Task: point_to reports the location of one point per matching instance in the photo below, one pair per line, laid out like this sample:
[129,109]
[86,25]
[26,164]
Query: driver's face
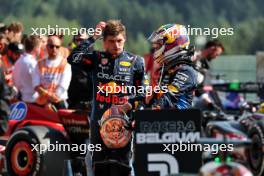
[157,45]
[214,52]
[114,44]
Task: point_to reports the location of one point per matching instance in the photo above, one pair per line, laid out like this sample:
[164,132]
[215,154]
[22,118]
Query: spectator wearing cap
[14,51]
[25,66]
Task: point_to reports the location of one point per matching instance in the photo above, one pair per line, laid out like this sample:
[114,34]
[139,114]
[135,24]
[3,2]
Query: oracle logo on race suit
[113,77]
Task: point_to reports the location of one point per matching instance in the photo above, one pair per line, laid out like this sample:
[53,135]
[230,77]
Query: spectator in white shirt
[52,76]
[25,65]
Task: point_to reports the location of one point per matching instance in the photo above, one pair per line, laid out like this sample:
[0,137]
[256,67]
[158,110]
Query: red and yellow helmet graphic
[171,33]
[168,40]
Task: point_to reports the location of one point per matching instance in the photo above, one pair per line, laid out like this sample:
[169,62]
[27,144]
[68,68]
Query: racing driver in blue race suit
[173,54]
[111,71]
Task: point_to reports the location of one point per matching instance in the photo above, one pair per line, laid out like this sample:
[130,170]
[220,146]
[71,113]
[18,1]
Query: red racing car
[37,141]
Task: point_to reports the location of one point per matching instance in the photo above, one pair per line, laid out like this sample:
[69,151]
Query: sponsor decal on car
[18,111]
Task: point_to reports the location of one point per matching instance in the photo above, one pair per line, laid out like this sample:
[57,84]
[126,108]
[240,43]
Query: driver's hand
[131,125]
[99,27]
[125,107]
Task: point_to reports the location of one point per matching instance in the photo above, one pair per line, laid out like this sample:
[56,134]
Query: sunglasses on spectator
[53,46]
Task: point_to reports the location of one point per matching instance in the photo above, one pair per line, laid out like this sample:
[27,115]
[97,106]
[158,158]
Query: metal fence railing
[236,67]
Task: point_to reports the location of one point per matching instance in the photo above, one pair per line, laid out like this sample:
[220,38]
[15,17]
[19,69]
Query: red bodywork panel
[65,121]
[36,116]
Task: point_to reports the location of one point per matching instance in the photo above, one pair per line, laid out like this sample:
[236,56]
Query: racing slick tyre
[4,113]
[26,154]
[3,126]
[255,152]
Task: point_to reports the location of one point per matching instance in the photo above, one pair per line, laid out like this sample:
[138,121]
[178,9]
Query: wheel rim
[22,158]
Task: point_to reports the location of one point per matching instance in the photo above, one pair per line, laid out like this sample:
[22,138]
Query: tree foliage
[141,17]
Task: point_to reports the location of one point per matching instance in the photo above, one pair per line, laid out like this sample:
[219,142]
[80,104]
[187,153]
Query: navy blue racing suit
[180,82]
[124,70]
